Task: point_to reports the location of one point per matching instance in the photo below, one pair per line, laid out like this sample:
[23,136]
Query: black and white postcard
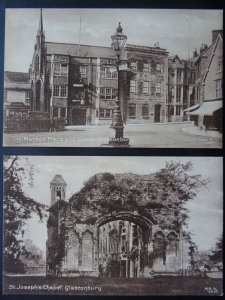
[101,225]
[137,78]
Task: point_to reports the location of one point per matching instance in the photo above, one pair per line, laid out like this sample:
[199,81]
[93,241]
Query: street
[159,135]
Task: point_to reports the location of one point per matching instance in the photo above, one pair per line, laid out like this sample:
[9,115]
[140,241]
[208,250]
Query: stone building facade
[79,83]
[124,244]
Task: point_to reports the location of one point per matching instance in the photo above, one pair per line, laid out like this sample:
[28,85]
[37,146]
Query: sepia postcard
[98,225]
[143,78]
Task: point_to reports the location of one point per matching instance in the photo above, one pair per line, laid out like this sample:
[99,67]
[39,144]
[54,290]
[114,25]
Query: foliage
[17,208]
[161,195]
[216,255]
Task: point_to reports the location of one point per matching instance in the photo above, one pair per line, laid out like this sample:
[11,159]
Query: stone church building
[78,83]
[123,244]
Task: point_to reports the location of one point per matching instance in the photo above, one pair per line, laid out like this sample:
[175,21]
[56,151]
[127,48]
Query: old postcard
[113,225]
[113,78]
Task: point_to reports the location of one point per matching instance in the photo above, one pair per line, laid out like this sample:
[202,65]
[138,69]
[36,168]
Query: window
[146,87]
[145,113]
[140,88]
[159,68]
[158,88]
[63,112]
[60,69]
[219,88]
[146,68]
[178,94]
[56,91]
[178,110]
[105,113]
[108,73]
[5,95]
[64,91]
[132,86]
[60,91]
[108,93]
[27,94]
[133,65]
[132,111]
[83,72]
[55,112]
[178,76]
[220,64]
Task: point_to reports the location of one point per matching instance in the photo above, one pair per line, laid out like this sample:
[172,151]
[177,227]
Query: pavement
[150,135]
[197,131]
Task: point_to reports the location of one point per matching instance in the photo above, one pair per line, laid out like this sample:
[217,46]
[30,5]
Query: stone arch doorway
[122,243]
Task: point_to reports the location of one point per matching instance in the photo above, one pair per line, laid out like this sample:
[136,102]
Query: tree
[161,196]
[216,255]
[17,208]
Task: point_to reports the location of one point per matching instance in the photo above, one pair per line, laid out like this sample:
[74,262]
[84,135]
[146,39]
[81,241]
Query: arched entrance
[123,245]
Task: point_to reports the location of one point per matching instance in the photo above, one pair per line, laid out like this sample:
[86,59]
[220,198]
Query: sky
[206,210]
[178,31]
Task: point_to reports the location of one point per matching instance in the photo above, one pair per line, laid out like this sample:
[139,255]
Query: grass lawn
[111,286]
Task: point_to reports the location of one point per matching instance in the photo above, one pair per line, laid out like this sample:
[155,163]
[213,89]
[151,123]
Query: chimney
[156,45]
[195,53]
[215,34]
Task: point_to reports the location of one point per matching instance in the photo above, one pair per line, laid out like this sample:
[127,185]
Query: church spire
[40,27]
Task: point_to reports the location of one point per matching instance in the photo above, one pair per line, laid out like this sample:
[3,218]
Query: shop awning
[191,108]
[207,108]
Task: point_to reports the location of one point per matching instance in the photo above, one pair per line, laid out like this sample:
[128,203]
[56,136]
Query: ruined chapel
[91,238]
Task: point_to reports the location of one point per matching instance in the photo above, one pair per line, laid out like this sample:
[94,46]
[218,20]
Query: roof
[58,180]
[82,50]
[211,58]
[16,77]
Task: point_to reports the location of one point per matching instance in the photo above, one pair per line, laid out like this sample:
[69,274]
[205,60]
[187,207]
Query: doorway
[79,116]
[157,112]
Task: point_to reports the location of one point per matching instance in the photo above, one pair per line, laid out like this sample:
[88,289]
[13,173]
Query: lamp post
[118,45]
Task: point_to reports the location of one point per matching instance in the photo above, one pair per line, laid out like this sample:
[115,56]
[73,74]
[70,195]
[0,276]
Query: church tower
[38,71]
[58,189]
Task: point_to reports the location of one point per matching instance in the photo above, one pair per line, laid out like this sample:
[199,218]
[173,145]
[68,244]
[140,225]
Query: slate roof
[58,179]
[85,50]
[16,77]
